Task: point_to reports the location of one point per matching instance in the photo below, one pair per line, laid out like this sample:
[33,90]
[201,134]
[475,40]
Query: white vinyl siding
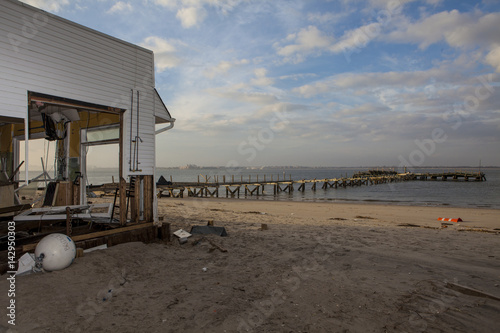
[65,59]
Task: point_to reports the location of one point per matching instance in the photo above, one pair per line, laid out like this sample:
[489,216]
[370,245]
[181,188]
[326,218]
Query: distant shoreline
[301,167]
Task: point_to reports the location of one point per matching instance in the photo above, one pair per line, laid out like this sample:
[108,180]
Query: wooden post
[148,198]
[123,183]
[137,198]
[68,221]
[164,232]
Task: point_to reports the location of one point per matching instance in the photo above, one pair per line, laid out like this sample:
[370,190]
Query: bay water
[485,194]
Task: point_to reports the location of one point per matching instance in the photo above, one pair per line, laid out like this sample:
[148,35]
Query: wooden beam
[14,209]
[30,247]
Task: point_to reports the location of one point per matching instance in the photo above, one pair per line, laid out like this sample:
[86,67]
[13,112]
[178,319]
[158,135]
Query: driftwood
[417,226]
[471,292]
[478,230]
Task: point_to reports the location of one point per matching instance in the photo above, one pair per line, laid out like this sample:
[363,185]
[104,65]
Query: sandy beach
[319,267]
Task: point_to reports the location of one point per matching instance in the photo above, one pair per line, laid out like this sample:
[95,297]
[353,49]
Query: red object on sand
[449,220]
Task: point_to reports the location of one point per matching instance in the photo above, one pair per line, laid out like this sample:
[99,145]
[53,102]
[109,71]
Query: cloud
[49,5]
[360,81]
[493,58]
[192,12]
[165,52]
[259,98]
[261,79]
[297,76]
[120,6]
[224,67]
[191,16]
[306,41]
[167,3]
[323,18]
[357,38]
[457,29]
[362,110]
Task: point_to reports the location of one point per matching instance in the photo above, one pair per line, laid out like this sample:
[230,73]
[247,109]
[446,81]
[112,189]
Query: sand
[319,267]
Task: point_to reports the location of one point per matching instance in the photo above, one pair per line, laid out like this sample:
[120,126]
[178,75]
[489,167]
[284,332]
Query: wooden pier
[231,189]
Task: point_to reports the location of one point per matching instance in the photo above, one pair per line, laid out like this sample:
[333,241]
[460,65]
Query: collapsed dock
[232,188]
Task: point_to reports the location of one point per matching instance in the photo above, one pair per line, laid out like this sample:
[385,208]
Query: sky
[316,83]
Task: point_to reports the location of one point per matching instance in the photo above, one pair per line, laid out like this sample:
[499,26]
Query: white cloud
[49,5]
[242,93]
[165,52]
[224,67]
[376,81]
[261,79]
[306,41]
[493,58]
[192,12]
[249,97]
[191,16]
[323,17]
[167,3]
[120,6]
[357,38]
[457,29]
[392,6]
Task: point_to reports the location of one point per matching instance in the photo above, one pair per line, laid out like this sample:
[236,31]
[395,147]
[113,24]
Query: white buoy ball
[58,251]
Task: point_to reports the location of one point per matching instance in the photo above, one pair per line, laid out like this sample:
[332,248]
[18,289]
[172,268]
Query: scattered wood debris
[417,226]
[478,230]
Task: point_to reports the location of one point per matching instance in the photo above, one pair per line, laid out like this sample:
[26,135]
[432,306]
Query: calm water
[423,193]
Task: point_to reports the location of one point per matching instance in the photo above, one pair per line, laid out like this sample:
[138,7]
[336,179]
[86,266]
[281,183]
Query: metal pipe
[131,112]
[161,130]
[137,135]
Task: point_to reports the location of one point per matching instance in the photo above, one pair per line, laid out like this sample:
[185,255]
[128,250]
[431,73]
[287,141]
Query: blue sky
[316,83]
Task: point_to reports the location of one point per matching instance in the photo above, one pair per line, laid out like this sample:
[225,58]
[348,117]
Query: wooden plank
[470,291]
[64,196]
[112,231]
[98,234]
[14,209]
